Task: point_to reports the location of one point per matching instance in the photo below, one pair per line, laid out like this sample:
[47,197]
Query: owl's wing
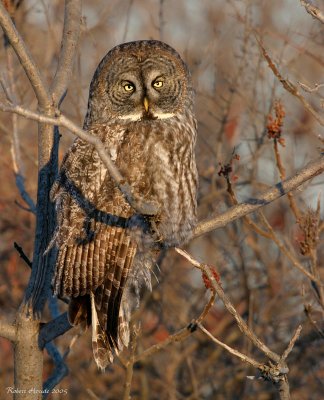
[95,250]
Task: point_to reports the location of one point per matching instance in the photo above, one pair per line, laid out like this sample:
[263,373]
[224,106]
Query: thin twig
[130,4]
[308,312]
[292,342]
[284,249]
[20,183]
[179,336]
[17,161]
[229,306]
[247,220]
[308,89]
[22,254]
[130,363]
[289,86]
[282,173]
[315,12]
[236,353]
[161,19]
[277,372]
[25,58]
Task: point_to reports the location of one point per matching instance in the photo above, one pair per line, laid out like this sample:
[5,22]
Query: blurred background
[235,93]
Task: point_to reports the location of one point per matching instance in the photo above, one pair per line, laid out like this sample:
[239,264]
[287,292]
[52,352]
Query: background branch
[289,86]
[25,58]
[277,372]
[311,170]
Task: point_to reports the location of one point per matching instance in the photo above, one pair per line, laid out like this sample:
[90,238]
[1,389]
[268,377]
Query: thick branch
[71,33]
[28,359]
[25,58]
[311,170]
[39,283]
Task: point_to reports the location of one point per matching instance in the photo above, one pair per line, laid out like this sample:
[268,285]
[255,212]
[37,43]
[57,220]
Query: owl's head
[140,80]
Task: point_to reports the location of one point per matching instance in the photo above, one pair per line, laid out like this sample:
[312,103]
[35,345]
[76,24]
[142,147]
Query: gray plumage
[141,107]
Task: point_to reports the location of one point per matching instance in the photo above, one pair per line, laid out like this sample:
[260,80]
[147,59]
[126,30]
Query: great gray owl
[141,107]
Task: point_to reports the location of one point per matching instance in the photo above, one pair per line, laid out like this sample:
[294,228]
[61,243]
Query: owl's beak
[146,104]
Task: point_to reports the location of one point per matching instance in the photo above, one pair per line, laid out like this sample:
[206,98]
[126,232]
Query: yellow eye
[129,87]
[157,84]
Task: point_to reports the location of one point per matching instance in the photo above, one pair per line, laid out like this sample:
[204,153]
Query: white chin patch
[132,117]
[163,115]
[139,116]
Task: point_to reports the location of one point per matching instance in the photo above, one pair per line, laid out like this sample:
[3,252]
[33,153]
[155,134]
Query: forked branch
[275,370]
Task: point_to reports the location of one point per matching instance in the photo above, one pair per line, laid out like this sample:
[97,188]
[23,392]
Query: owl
[141,107]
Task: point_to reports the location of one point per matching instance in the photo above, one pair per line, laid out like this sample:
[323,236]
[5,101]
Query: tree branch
[217,288]
[22,254]
[313,11]
[53,329]
[275,372]
[291,343]
[71,33]
[179,336]
[289,86]
[286,251]
[9,88]
[236,353]
[60,370]
[28,358]
[311,170]
[130,363]
[25,58]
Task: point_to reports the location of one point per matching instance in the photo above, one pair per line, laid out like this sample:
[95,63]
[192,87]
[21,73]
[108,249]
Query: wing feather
[95,251]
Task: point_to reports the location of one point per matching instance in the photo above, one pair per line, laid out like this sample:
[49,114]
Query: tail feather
[102,350]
